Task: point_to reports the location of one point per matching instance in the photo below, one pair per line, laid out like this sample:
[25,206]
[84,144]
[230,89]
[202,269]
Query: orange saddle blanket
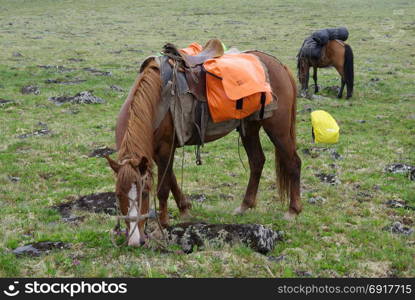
[236,85]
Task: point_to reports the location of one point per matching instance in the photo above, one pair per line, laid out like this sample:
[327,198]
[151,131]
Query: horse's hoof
[240,210]
[289,216]
[185,216]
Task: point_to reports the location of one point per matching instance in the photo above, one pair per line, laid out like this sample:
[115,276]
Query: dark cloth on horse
[313,44]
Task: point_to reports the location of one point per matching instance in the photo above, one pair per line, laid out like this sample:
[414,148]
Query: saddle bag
[236,86]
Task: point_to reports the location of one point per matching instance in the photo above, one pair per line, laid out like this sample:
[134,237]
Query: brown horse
[139,144]
[336,54]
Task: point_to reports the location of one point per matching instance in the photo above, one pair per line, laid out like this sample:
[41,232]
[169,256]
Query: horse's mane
[138,140]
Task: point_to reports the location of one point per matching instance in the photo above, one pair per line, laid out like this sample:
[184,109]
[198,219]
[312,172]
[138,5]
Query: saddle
[212,49]
[192,65]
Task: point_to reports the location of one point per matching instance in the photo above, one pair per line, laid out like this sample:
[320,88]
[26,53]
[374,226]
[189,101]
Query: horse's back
[280,77]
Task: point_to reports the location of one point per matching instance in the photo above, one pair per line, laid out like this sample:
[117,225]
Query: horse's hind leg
[182,203]
[315,80]
[340,70]
[340,94]
[289,163]
[256,157]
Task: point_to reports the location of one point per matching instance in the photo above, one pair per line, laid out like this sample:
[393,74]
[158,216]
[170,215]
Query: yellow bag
[325,128]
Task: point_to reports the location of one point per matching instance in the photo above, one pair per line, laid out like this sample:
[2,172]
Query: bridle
[140,217]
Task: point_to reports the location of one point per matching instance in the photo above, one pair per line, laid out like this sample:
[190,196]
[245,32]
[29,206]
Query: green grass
[342,237]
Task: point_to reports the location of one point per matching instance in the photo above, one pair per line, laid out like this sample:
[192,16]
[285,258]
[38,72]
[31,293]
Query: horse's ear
[113,164]
[143,165]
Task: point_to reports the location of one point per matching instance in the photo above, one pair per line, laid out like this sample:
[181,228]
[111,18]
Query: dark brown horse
[336,54]
[139,145]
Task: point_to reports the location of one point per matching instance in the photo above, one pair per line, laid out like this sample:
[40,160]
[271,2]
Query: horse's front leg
[182,202]
[164,160]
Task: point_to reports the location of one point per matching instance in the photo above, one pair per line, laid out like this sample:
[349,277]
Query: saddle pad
[234,86]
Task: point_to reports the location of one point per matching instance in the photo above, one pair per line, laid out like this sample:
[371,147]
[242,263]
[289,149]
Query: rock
[30,89]
[400,168]
[335,155]
[84,97]
[332,89]
[303,273]
[17,54]
[13,178]
[197,197]
[328,178]
[101,152]
[37,249]
[399,228]
[361,121]
[256,236]
[317,200]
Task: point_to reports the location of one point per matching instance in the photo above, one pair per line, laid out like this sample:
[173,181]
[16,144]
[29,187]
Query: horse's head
[132,189]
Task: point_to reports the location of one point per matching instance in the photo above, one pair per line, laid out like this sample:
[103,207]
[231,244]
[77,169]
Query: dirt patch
[398,204]
[76,59]
[97,72]
[85,97]
[4,102]
[39,132]
[36,249]
[30,89]
[56,68]
[63,81]
[97,203]
[101,152]
[328,178]
[315,152]
[256,236]
[117,88]
[17,54]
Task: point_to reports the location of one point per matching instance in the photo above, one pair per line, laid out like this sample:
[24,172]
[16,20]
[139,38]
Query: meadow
[44,147]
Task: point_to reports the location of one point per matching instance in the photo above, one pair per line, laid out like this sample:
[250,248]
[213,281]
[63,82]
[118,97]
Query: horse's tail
[284,170]
[348,69]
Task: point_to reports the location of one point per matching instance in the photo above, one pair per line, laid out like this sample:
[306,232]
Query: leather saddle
[212,49]
[192,66]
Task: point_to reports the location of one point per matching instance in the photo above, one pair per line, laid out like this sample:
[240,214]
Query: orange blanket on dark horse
[236,85]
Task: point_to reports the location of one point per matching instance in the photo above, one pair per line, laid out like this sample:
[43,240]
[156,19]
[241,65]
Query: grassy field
[342,237]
